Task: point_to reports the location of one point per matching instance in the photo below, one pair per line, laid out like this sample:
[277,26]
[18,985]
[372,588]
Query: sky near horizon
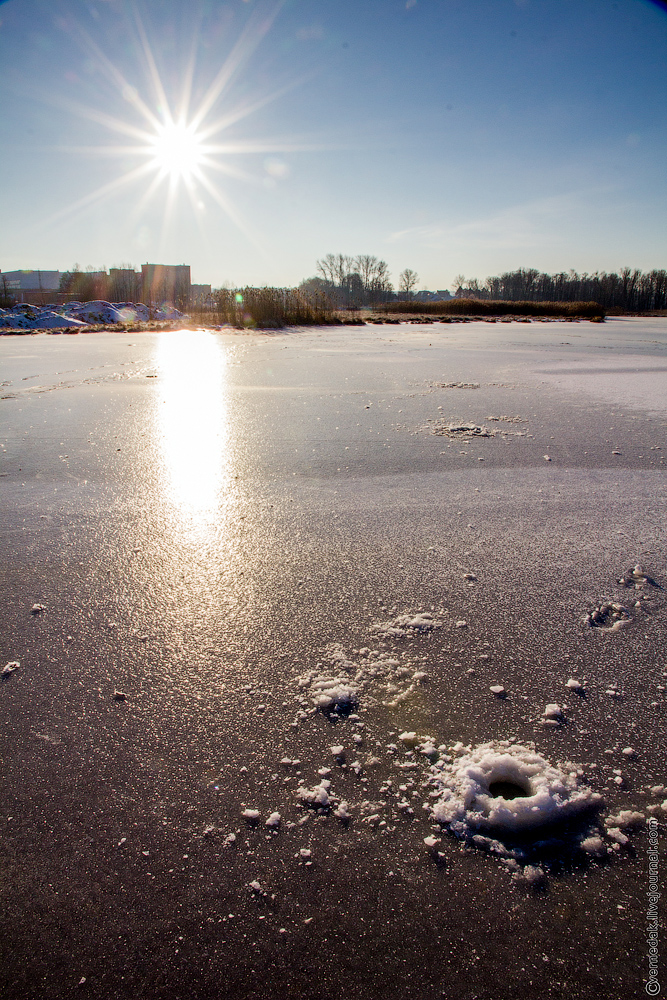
[249,138]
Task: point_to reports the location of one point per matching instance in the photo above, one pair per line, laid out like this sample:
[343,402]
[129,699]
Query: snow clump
[405,625]
[317,797]
[333,694]
[594,845]
[373,673]
[625,819]
[552,715]
[342,812]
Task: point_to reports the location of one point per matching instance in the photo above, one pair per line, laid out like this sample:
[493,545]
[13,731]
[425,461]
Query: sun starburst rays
[178,145]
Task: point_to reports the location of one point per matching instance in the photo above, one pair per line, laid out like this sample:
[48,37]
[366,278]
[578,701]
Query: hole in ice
[471,791]
[508,790]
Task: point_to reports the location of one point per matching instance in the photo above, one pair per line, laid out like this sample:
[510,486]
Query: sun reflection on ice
[192,421]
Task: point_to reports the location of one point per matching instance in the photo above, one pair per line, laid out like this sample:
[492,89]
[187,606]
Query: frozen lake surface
[337,580]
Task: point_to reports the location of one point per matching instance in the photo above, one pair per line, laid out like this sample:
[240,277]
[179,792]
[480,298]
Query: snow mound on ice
[470,787]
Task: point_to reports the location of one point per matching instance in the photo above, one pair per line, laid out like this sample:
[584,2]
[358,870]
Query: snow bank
[470,789]
[77,314]
[36,318]
[100,311]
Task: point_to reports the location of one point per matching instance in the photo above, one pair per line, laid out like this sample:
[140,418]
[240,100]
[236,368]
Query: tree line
[364,280]
[630,289]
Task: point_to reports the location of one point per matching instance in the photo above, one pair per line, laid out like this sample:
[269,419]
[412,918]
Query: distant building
[84,286]
[201,295]
[32,281]
[165,283]
[424,296]
[125,284]
[30,286]
[155,284]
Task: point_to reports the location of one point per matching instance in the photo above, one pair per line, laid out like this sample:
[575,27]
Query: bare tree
[345,268]
[327,268]
[336,268]
[381,286]
[354,281]
[407,280]
[374,274]
[364,265]
[368,268]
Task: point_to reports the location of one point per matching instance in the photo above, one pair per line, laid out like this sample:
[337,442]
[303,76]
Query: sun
[177,151]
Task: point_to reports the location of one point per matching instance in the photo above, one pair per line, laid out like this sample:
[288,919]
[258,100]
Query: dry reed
[483,307]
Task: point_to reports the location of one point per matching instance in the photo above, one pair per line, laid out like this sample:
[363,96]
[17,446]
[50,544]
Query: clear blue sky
[449,136]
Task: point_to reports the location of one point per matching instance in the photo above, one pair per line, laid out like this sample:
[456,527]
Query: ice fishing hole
[507,790]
